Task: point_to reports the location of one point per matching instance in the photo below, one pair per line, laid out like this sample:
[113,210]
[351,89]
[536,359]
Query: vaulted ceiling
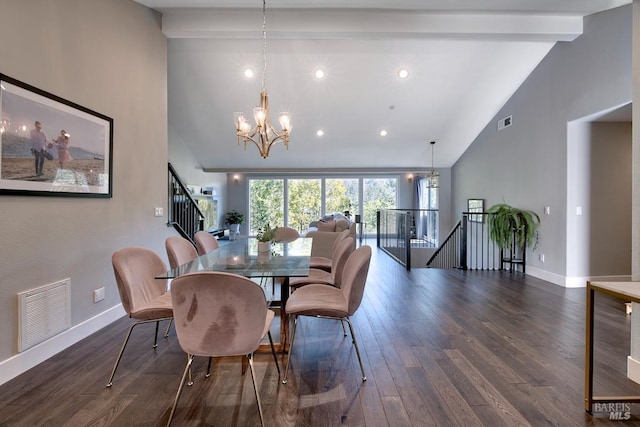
[465,58]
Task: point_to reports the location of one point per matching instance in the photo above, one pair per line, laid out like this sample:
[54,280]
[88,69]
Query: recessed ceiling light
[319,73]
[320,132]
[403,73]
[383,132]
[248,73]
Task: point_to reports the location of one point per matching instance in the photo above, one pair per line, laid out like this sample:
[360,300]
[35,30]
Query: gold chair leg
[255,388]
[293,337]
[190,382]
[124,344]
[355,343]
[126,340]
[166,333]
[184,375]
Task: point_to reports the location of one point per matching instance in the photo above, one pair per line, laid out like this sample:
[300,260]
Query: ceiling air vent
[505,123]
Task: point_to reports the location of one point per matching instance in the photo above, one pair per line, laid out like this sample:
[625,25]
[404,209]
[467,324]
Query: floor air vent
[44,312]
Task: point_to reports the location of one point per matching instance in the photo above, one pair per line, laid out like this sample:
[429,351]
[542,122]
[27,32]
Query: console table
[627,291]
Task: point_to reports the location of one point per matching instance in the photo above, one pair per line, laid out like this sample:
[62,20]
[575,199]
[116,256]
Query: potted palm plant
[509,226]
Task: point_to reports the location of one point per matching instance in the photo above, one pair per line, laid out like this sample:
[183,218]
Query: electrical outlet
[98,294]
[541,257]
[547,210]
[159,212]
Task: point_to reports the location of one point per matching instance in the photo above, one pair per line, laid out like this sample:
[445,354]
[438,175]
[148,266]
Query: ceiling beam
[370,24]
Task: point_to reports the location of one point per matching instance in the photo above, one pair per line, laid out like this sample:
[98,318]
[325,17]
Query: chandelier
[263,135]
[433,177]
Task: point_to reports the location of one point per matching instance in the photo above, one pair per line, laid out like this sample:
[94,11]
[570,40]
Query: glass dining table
[241,256]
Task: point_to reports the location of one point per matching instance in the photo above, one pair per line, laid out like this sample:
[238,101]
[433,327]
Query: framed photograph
[475,205]
[51,146]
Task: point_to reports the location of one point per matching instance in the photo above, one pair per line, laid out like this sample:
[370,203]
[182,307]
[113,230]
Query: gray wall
[525,165]
[599,183]
[109,56]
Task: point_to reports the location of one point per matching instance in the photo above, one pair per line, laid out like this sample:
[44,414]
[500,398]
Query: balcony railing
[399,230]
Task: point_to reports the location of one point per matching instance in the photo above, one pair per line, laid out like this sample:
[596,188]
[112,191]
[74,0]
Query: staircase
[184,214]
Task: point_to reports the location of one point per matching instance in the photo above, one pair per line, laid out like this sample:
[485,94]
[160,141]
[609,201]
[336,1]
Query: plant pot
[264,247]
[234,228]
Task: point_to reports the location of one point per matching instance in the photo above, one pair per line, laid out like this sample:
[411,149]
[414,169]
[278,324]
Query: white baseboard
[556,279]
[571,282]
[581,282]
[22,362]
[633,369]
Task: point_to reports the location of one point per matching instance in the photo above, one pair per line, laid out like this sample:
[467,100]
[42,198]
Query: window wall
[378,193]
[266,203]
[295,202]
[304,202]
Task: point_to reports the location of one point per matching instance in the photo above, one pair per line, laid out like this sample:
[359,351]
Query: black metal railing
[469,247]
[449,253]
[400,230]
[184,214]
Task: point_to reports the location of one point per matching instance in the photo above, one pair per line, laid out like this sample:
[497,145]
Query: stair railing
[184,214]
[468,246]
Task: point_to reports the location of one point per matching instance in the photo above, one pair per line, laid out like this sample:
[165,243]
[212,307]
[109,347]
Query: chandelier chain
[264,42]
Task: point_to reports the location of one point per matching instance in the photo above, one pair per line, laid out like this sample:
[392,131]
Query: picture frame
[475,205]
[77,158]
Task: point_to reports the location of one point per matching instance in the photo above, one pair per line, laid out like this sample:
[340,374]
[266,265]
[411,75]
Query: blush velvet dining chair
[179,251]
[324,263]
[220,314]
[144,298]
[286,235]
[328,302]
[205,242]
[333,278]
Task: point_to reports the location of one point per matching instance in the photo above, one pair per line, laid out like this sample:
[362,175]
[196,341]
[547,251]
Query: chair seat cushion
[320,262]
[156,308]
[315,276]
[317,300]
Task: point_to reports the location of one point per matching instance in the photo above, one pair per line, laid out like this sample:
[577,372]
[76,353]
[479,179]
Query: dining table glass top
[241,257]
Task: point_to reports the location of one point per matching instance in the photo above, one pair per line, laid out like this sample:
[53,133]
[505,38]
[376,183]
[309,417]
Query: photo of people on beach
[51,146]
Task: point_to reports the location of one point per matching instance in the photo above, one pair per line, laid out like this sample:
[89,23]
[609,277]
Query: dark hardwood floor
[440,348]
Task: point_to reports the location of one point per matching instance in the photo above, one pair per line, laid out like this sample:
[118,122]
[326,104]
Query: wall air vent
[505,123]
[43,312]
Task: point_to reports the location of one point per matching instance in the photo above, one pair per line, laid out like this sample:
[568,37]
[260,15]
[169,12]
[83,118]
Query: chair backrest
[179,251]
[135,269]
[205,242]
[339,238]
[354,277]
[339,260]
[218,314]
[286,234]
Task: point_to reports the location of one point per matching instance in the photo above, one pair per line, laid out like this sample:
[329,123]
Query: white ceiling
[465,58]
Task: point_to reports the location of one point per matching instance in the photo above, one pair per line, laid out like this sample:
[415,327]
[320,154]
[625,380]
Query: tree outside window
[266,203]
[342,195]
[378,193]
[304,202]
